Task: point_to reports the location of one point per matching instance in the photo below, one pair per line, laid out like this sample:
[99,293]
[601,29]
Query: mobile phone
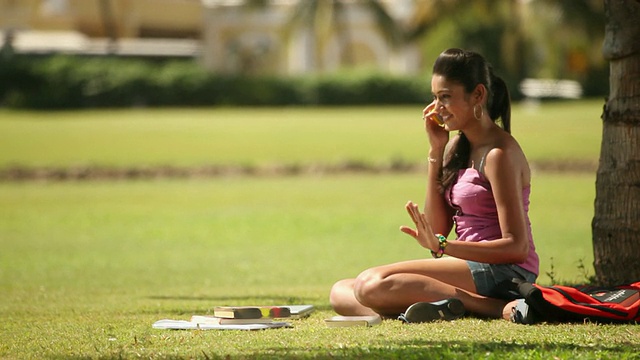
[435,117]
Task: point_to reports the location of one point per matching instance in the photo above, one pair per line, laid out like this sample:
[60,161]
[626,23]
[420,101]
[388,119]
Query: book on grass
[203,319]
[251,312]
[624,297]
[344,321]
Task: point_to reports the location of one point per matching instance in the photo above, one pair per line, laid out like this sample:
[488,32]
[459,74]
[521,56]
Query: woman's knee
[340,287]
[367,286]
[340,293]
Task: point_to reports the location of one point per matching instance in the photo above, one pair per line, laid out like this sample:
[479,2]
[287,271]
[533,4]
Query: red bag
[558,303]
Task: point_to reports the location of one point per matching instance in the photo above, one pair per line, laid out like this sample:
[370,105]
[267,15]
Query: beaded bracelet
[443,244]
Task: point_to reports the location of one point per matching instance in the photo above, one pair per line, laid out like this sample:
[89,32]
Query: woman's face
[452,103]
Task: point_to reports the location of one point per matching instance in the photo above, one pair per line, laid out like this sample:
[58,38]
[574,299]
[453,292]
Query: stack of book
[240,318]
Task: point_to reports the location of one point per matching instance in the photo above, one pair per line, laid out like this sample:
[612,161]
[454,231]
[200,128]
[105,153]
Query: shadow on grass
[452,349]
[426,350]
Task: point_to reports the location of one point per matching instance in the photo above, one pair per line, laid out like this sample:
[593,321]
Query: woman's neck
[484,132]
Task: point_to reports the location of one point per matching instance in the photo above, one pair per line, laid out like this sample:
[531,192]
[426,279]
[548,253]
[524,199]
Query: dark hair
[470,69]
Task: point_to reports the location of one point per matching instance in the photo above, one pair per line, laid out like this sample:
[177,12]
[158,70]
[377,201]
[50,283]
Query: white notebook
[343,321]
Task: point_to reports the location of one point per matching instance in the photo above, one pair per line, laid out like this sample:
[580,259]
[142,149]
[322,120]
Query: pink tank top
[476,215]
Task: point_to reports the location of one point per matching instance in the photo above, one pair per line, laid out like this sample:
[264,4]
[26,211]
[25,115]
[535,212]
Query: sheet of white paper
[168,324]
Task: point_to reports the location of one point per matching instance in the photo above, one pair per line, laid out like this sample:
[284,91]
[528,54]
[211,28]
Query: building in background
[106,18]
[241,39]
[160,28]
[226,36]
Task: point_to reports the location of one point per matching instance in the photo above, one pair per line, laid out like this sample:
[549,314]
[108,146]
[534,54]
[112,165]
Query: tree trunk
[616,223]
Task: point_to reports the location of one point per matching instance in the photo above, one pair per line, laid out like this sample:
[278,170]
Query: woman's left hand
[423,232]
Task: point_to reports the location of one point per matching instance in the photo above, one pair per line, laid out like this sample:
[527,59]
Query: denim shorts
[493,280]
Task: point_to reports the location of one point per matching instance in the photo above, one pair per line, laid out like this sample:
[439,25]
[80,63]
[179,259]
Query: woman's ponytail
[500,104]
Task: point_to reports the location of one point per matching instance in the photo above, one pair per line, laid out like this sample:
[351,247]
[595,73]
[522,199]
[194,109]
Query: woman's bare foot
[508,310]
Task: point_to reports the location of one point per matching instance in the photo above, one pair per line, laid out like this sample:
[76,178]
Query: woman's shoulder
[507,157]
[506,148]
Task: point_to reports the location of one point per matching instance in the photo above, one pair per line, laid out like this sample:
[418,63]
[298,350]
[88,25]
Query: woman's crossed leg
[389,289]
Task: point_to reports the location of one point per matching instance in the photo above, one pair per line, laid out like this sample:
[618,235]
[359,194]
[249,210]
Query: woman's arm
[437,210]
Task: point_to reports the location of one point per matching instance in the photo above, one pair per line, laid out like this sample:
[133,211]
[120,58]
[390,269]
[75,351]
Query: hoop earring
[475,113]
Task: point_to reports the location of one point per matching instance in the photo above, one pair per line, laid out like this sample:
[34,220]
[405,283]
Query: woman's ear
[479,94]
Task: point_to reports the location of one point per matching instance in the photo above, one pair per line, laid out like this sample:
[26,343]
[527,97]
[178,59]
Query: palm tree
[109,23]
[615,226]
[515,35]
[320,20]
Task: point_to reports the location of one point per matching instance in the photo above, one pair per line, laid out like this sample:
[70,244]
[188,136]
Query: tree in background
[568,36]
[616,223]
[536,38]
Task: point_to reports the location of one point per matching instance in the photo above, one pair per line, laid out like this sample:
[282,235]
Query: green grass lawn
[557,132]
[87,267]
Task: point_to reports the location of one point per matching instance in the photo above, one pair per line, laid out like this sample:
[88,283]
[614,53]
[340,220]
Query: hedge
[66,82]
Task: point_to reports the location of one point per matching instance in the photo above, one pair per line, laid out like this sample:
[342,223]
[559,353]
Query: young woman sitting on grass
[478,182]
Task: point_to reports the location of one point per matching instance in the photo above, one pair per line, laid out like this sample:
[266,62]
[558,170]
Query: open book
[239,318]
